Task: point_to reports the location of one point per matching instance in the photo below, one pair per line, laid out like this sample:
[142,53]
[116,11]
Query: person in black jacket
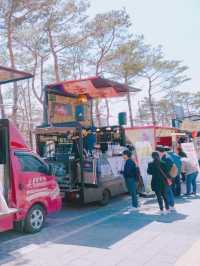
[130,174]
[158,170]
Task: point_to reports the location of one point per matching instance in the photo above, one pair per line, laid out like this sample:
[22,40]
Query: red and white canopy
[93,87]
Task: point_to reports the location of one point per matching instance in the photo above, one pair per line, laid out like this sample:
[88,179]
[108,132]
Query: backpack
[177,160]
[173,171]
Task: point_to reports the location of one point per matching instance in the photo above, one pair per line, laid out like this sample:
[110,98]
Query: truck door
[34,180]
[4,162]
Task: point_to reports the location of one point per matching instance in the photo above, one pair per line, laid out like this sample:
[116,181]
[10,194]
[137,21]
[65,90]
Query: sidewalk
[191,257]
[111,236]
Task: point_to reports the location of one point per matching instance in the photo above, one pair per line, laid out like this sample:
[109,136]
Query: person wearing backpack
[171,172]
[176,182]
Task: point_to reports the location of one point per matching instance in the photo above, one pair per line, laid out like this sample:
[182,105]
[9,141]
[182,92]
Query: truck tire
[105,197]
[19,226]
[35,219]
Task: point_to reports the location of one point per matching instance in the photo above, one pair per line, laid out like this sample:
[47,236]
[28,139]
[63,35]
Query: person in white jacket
[190,170]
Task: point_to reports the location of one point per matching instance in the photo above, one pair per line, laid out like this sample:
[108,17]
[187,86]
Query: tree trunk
[153,116]
[2,105]
[107,112]
[30,117]
[55,57]
[12,63]
[188,107]
[98,114]
[172,103]
[41,77]
[97,111]
[129,103]
[140,114]
[33,80]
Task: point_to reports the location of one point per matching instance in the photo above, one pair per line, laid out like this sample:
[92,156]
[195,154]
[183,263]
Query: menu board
[116,164]
[90,172]
[143,151]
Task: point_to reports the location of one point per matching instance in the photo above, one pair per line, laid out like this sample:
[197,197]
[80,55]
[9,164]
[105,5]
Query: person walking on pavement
[181,152]
[169,165]
[176,182]
[191,173]
[159,183]
[130,175]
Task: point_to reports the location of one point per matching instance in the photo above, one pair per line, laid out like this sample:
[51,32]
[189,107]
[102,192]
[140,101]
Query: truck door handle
[21,186]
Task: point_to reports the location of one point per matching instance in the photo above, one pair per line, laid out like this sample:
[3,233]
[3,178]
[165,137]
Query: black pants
[161,196]
[183,178]
[176,186]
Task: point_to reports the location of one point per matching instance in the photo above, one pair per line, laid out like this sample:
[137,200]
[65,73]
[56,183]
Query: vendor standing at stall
[130,176]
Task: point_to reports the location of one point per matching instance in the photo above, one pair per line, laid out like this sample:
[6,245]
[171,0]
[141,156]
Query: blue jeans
[170,196]
[176,186]
[191,182]
[132,189]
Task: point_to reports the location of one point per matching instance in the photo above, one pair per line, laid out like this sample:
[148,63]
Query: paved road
[110,236]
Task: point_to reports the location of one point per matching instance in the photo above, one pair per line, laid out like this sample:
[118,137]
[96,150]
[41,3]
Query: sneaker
[187,194]
[161,212]
[133,209]
[172,209]
[167,211]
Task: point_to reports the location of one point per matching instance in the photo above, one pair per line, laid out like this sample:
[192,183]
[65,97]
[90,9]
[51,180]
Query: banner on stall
[141,135]
[62,109]
[144,151]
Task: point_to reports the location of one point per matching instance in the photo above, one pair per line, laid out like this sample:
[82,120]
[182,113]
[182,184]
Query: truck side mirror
[3,145]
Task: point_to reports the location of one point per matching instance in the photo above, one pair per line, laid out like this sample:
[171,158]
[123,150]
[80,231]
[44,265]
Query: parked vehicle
[28,191]
[87,160]
[83,175]
[27,186]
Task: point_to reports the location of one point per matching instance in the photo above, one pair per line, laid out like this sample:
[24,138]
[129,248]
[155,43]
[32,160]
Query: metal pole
[45,107]
[81,164]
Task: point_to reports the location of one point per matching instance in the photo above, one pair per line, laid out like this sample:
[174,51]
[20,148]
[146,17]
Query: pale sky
[175,24]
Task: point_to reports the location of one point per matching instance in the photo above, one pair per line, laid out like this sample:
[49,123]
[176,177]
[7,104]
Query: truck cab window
[30,163]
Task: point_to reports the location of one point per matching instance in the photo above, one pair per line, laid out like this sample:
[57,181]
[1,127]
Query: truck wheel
[105,197]
[35,219]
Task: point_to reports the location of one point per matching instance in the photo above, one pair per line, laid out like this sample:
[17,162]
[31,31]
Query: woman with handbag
[159,181]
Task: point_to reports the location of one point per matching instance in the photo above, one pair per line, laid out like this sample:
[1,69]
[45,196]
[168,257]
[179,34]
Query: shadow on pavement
[116,228]
[99,228]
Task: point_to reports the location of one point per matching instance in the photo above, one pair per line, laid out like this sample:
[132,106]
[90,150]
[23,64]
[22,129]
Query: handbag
[168,180]
[174,171]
